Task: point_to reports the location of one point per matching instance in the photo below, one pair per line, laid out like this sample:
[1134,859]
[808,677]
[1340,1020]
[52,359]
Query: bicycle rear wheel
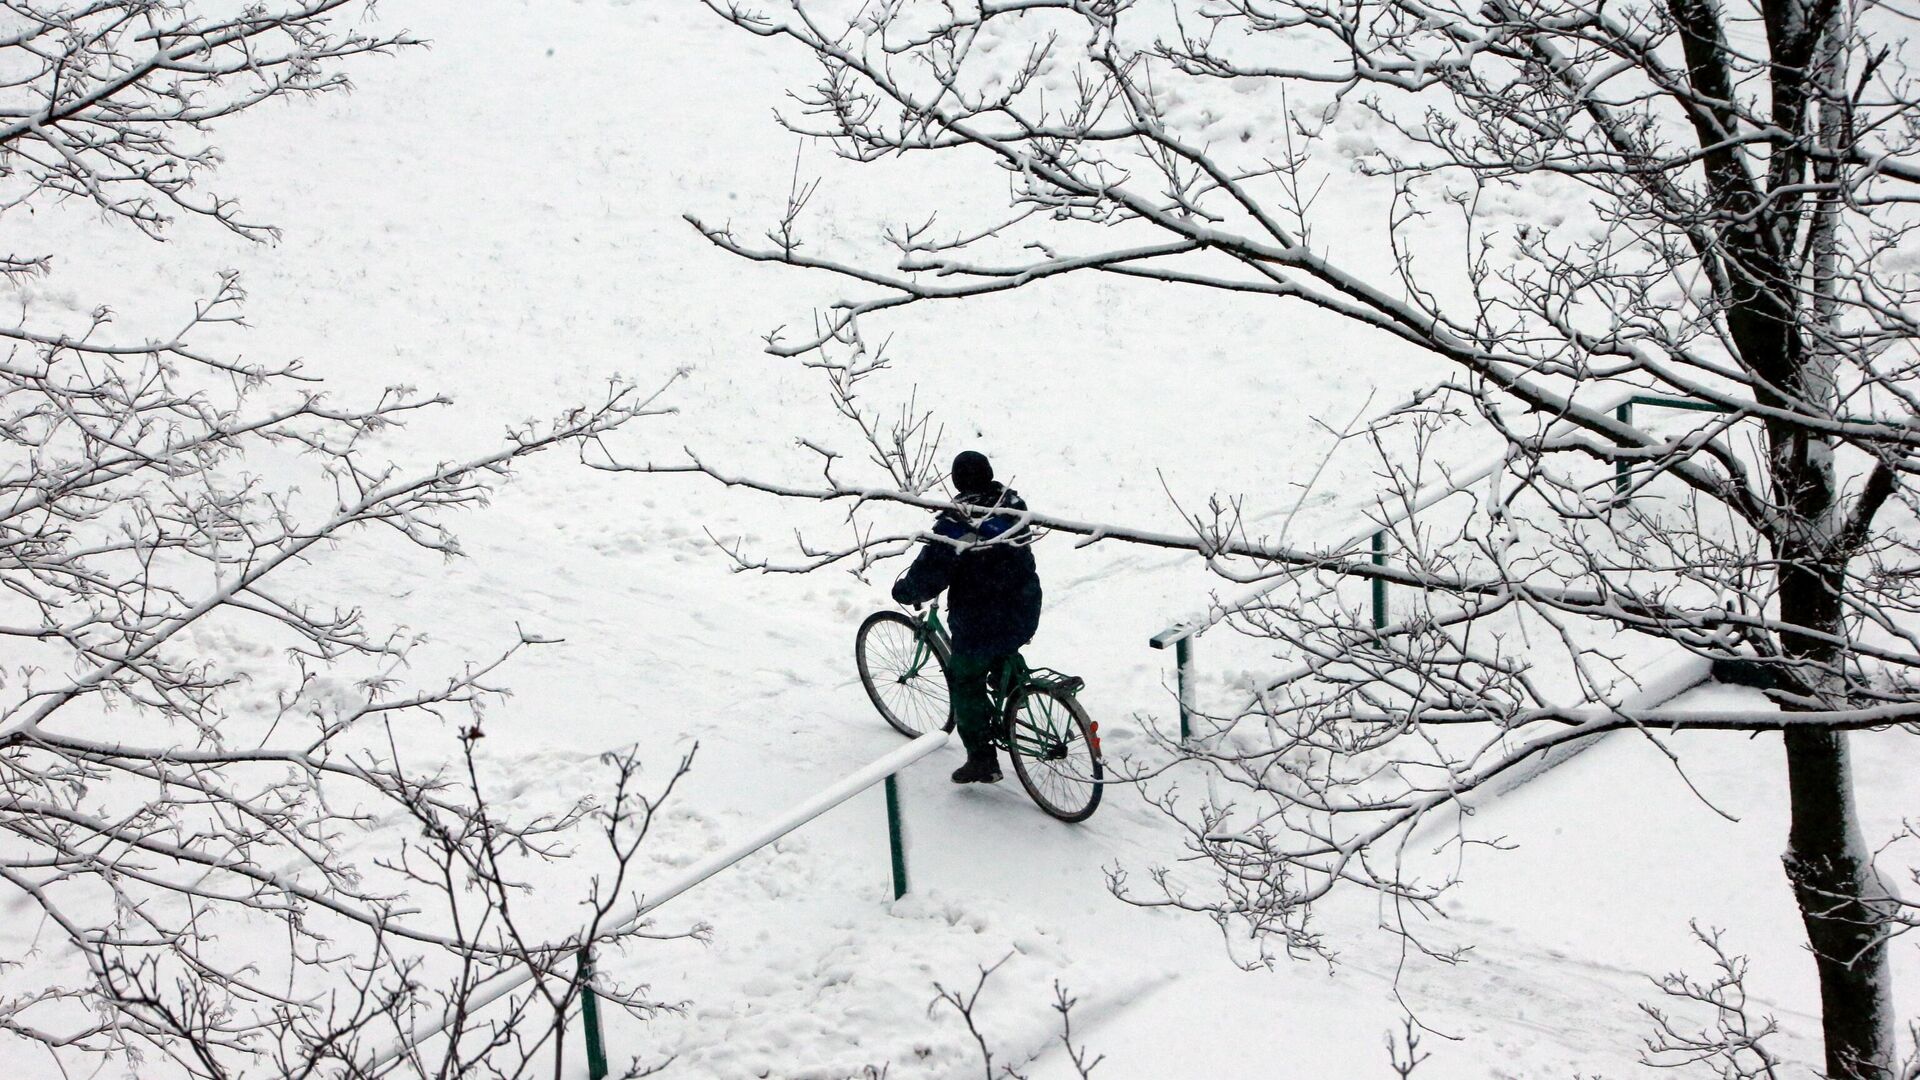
[905,672]
[1055,751]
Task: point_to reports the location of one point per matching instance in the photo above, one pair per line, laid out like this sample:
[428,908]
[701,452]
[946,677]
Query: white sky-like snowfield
[498,218]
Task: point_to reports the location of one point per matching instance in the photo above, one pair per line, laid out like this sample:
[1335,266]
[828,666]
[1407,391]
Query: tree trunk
[1841,903]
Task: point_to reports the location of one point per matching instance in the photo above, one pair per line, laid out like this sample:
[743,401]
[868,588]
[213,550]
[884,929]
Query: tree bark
[1837,890]
[1843,904]
[1842,901]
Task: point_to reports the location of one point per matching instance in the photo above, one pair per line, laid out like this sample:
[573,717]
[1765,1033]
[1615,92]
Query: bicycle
[1055,749]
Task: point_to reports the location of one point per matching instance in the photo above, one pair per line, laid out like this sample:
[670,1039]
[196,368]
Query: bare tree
[168,804]
[108,100]
[966,1006]
[1733,1044]
[476,866]
[1732,180]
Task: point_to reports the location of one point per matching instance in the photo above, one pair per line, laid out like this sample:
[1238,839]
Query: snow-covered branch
[1703,202]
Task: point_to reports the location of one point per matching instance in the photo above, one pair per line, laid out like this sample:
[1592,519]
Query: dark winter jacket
[993,591]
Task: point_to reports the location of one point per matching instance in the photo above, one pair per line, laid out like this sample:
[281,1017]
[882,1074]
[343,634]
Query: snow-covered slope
[499,218]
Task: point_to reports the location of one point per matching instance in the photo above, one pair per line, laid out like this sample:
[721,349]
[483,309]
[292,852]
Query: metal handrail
[880,770]
[1653,688]
[1180,635]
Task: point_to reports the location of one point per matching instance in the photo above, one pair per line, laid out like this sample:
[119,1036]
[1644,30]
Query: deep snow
[498,218]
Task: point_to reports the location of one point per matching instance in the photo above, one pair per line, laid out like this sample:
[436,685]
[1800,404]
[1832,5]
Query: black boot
[981,768]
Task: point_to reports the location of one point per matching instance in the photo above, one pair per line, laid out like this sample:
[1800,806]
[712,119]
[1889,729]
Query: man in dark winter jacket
[993,600]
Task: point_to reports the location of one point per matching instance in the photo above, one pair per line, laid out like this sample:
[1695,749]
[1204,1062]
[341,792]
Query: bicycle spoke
[911,695]
[897,656]
[1052,755]
[904,676]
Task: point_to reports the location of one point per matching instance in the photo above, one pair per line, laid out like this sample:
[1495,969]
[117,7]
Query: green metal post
[1380,584]
[590,1019]
[1624,414]
[1182,661]
[895,841]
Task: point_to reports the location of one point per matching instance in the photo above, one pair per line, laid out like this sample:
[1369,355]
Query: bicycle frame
[997,691]
[937,632]
[1034,714]
[1032,740]
[1041,734]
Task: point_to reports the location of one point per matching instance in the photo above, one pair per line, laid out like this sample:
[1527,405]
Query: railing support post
[1380,584]
[1624,414]
[1183,672]
[629,915]
[590,1019]
[896,842]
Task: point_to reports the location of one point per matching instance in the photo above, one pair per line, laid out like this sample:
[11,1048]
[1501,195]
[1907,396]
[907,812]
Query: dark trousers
[968,680]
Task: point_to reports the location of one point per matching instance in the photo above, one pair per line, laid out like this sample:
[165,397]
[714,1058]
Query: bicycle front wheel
[1055,752]
[905,672]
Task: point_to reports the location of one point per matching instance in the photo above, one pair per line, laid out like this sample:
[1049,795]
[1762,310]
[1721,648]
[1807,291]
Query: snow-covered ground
[499,218]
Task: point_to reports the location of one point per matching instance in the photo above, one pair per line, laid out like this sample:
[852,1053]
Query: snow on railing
[881,770]
[1652,688]
[1374,531]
